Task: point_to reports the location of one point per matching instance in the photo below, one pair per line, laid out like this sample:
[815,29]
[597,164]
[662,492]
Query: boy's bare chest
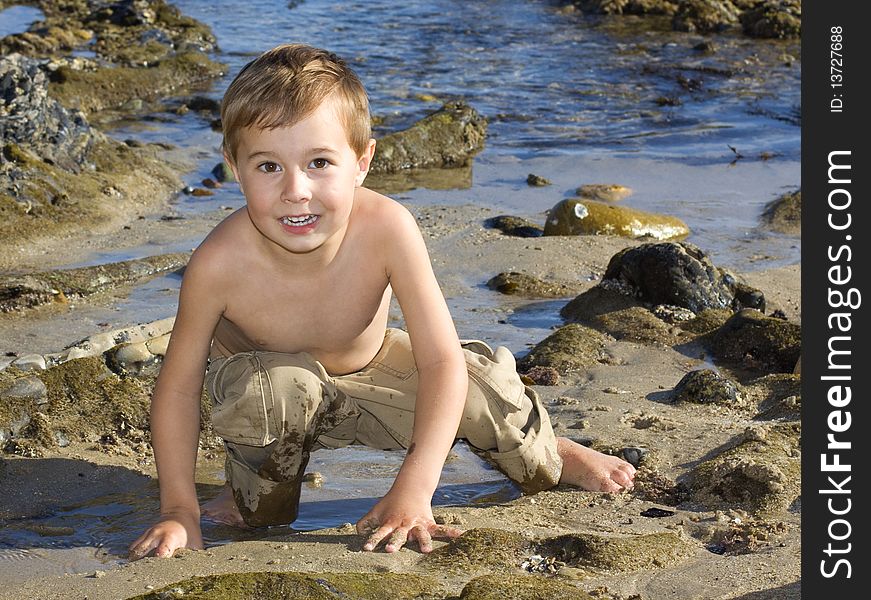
[338,318]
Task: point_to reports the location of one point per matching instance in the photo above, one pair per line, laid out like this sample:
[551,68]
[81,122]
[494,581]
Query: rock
[634,7]
[301,586]
[705,386]
[598,300]
[479,548]
[755,341]
[223,172]
[31,118]
[705,16]
[784,214]
[678,274]
[778,396]
[756,475]
[607,192]
[568,349]
[520,284]
[520,587]
[448,138]
[543,375]
[633,455]
[315,479]
[28,388]
[534,180]
[576,216]
[26,291]
[618,554]
[636,324]
[773,19]
[30,362]
[515,226]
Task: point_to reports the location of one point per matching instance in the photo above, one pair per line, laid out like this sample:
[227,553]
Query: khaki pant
[274,409]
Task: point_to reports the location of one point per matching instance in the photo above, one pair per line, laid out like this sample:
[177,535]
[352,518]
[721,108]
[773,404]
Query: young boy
[284,308]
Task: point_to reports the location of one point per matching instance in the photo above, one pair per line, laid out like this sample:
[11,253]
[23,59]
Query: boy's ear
[364,162]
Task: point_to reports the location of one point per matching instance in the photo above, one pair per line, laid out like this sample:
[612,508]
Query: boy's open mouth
[299,221]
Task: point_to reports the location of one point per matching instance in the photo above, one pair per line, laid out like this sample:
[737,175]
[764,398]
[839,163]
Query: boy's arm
[175,417]
[405,512]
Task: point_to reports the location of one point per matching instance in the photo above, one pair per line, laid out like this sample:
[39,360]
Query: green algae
[50,201]
[595,302]
[636,324]
[478,549]
[760,473]
[618,554]
[301,586]
[753,340]
[521,284]
[570,348]
[520,587]
[112,87]
[30,290]
[784,214]
[577,216]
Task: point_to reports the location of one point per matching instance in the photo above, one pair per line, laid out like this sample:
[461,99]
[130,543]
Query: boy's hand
[399,518]
[171,532]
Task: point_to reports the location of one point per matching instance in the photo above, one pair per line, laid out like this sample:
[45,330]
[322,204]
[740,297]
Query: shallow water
[94,535]
[571,97]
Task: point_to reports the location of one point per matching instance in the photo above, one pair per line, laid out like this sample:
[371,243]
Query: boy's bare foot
[222,509]
[592,470]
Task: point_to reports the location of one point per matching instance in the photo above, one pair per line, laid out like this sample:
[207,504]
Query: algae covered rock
[705,16]
[618,553]
[706,386]
[675,273]
[778,396]
[760,473]
[773,19]
[480,548]
[521,284]
[570,348]
[301,586]
[448,138]
[516,226]
[636,324]
[756,341]
[607,192]
[596,301]
[520,587]
[784,214]
[576,216]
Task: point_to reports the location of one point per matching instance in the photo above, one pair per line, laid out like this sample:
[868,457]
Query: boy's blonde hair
[285,85]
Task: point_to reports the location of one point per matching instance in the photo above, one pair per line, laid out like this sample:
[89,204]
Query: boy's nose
[296,188]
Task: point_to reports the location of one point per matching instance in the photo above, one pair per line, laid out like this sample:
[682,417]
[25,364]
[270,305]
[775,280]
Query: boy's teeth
[299,220]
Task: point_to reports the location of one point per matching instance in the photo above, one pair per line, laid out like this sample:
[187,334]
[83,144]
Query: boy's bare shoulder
[380,212]
[218,253]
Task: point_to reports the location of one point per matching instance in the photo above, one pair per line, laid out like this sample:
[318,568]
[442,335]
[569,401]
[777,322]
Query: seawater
[710,138]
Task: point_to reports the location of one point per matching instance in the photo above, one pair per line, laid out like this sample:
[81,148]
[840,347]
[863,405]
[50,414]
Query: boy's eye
[269,167]
[319,163]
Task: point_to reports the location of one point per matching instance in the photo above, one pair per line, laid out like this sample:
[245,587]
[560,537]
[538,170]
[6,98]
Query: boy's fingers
[141,549]
[424,539]
[397,540]
[444,531]
[376,537]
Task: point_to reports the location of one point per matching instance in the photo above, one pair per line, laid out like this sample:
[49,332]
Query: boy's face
[299,181]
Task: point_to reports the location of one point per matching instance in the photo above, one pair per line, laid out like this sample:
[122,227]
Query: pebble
[314,479]
[30,362]
[31,388]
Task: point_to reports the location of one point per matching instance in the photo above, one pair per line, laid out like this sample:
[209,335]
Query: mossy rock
[112,87]
[521,284]
[706,386]
[596,301]
[761,473]
[515,226]
[570,348]
[576,216]
[618,554]
[301,586]
[777,395]
[479,549]
[606,192]
[448,138]
[779,19]
[784,214]
[706,321]
[705,16]
[756,341]
[521,587]
[636,324]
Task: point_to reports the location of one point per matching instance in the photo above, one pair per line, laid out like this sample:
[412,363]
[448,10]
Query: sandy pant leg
[270,408]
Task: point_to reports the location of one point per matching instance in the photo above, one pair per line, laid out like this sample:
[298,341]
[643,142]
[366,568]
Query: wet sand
[621,404]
